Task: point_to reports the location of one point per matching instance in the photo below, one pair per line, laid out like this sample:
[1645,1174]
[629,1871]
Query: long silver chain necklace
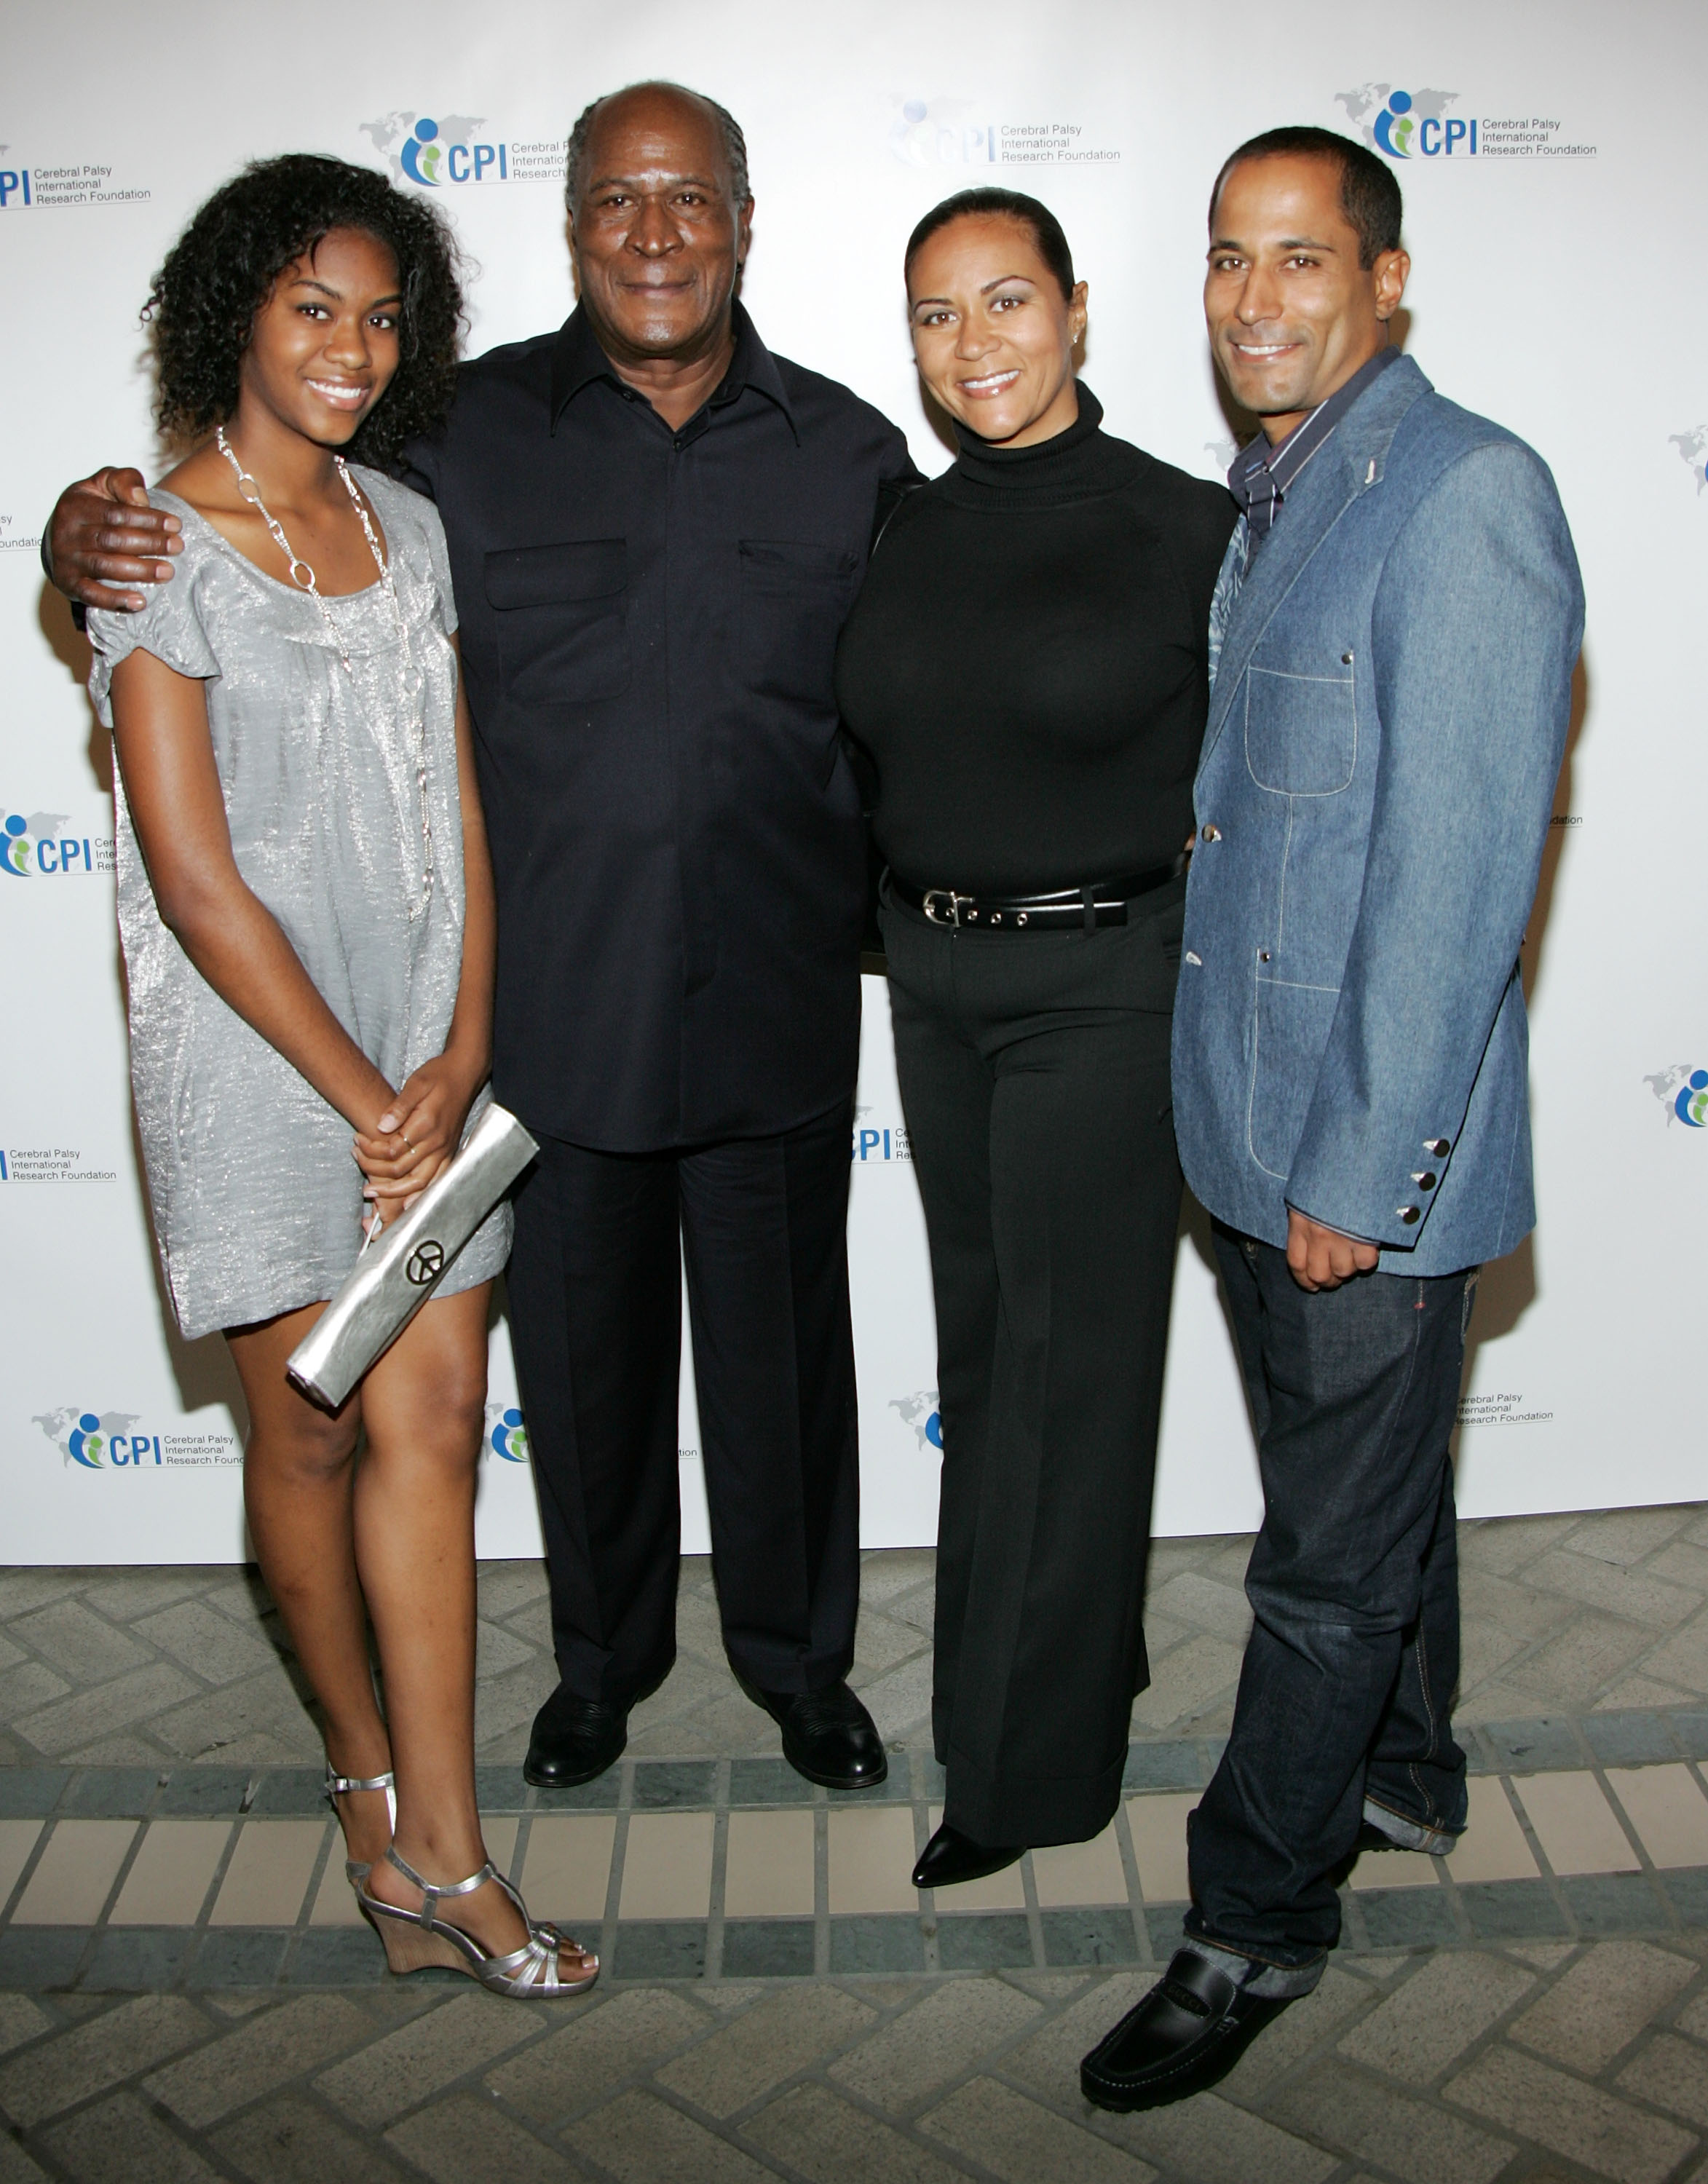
[303,576]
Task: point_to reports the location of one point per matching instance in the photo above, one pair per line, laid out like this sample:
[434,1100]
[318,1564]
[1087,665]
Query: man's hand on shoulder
[103,532]
[1320,1258]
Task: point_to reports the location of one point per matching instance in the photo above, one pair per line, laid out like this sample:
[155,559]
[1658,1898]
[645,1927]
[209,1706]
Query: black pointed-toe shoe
[827,1736]
[951,1856]
[1186,2035]
[573,1740]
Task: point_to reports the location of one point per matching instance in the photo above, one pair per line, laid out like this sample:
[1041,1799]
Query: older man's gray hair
[734,143]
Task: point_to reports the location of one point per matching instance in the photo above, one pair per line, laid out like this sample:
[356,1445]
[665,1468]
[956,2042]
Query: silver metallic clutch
[394,1277]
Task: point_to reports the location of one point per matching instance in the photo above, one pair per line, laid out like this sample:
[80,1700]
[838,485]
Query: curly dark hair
[202,307]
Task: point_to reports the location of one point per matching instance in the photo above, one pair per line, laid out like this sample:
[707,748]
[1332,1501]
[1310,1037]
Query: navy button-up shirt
[648,625]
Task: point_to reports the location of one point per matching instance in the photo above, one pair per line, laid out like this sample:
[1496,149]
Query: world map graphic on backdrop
[919,1411]
[1682,1091]
[83,1436]
[1692,448]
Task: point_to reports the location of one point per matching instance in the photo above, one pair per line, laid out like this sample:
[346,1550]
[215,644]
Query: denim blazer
[1386,725]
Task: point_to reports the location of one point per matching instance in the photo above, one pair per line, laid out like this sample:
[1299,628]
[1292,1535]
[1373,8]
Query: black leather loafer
[573,1740]
[950,1857]
[1186,2035]
[827,1736]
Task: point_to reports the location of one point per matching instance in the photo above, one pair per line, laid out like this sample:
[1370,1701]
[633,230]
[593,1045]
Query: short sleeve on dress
[414,528]
[169,627]
[439,555]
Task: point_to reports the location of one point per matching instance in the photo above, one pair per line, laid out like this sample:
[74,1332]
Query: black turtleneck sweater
[1026,663]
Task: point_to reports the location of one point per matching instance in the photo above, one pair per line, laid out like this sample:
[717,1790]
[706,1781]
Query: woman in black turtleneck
[1026,666]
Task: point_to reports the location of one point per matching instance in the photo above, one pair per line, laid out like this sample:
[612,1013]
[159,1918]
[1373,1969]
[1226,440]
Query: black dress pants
[1033,1072]
[595,1293]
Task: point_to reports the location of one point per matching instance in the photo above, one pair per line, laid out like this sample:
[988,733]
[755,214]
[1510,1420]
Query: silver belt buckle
[948,895]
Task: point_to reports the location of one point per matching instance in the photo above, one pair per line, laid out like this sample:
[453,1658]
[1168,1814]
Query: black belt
[1104,902]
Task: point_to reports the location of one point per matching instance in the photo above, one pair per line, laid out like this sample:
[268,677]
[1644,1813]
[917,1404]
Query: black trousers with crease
[1033,1072]
[595,1293]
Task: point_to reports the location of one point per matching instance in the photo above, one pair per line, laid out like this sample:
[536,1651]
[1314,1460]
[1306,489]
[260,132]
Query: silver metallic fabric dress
[257,1199]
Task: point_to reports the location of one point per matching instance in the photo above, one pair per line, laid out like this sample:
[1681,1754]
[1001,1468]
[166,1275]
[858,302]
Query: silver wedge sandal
[416,1939]
[356,1869]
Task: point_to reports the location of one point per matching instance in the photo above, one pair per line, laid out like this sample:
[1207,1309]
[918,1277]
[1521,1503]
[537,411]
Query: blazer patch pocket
[1301,732]
[1290,1030]
[795,598]
[562,616]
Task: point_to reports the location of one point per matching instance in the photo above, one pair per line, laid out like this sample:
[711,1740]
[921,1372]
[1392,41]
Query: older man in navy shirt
[655,528]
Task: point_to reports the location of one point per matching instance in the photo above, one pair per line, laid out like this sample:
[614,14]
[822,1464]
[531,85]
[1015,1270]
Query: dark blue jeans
[1350,1669]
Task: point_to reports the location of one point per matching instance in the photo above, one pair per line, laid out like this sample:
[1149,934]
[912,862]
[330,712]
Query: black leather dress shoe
[950,1857]
[1186,2035]
[573,1740]
[827,1736]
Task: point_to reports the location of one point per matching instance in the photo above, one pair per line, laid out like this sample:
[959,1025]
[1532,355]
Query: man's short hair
[734,143]
[1369,189]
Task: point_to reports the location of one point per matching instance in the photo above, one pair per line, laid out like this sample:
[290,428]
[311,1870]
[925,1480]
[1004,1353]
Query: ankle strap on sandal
[336,1785]
[434,1891]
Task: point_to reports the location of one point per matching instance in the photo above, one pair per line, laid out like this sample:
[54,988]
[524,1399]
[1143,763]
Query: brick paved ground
[183,1993]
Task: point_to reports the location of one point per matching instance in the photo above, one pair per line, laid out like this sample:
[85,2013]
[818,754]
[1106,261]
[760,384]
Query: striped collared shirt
[1262,475]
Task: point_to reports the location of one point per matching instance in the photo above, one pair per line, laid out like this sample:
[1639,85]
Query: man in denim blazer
[1395,627]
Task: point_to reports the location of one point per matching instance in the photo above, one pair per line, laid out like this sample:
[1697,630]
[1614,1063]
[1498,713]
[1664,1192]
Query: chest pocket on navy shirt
[795,600]
[562,620]
[1301,732]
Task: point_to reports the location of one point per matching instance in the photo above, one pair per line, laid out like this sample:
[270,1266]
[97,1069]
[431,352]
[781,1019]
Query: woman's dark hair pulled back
[201,309]
[1040,222]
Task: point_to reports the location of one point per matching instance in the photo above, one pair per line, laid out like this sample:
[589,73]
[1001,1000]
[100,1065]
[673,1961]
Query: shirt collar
[1285,461]
[578,360]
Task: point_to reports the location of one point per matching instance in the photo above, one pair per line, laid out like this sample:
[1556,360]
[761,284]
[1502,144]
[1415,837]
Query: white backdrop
[1551,184]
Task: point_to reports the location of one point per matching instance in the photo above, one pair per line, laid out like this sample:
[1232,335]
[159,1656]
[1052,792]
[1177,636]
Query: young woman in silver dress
[306,907]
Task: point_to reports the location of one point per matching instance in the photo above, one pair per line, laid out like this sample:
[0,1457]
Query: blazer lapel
[1350,464]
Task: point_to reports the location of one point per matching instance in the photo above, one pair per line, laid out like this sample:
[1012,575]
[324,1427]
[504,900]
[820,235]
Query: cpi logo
[33,843]
[1399,131]
[30,843]
[1683,1090]
[942,132]
[1409,125]
[871,1142]
[426,160]
[506,1434]
[433,151]
[96,1440]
